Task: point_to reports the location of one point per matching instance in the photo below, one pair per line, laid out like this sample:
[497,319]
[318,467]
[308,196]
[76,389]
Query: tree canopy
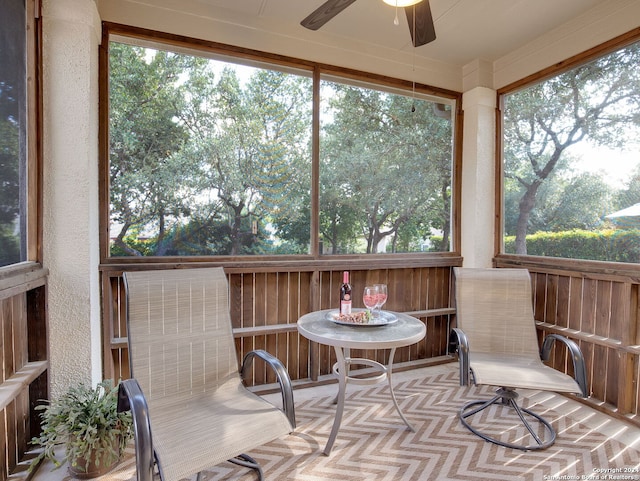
[598,102]
[214,158]
[13,133]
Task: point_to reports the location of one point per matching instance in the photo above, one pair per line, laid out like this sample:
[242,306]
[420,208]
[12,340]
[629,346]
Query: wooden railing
[266,302]
[23,350]
[596,305]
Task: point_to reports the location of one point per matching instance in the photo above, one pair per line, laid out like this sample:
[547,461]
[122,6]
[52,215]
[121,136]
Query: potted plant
[89,425]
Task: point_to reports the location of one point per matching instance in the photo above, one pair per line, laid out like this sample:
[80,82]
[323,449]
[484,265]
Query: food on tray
[360,317]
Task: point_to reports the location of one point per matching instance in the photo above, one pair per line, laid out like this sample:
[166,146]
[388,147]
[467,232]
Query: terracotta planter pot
[92,469]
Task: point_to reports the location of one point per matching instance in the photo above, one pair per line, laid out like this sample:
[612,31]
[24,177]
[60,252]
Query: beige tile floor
[622,431]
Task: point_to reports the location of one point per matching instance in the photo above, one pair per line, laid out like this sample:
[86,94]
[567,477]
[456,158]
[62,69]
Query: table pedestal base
[341,369]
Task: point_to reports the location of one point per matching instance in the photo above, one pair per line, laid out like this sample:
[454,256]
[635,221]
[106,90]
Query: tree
[9,177]
[385,160]
[150,180]
[208,158]
[198,154]
[579,202]
[572,200]
[630,194]
[251,145]
[12,132]
[593,101]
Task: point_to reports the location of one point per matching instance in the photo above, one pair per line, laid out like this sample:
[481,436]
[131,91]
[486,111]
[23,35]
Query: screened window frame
[559,68]
[31,188]
[180,44]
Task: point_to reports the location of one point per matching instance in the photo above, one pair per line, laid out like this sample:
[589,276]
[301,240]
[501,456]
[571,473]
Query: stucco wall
[71,32]
[478,177]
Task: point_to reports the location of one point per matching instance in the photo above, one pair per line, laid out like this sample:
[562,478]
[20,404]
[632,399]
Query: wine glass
[370,298]
[381,296]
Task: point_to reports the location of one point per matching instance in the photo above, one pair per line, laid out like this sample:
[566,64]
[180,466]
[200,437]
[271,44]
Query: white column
[71,31]
[478,173]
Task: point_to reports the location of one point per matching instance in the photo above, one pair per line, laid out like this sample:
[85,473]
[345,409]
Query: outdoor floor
[365,448]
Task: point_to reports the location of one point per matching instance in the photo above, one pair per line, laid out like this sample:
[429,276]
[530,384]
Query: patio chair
[497,345]
[190,408]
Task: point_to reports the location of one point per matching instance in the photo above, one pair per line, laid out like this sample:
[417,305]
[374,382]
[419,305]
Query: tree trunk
[236,227]
[527,203]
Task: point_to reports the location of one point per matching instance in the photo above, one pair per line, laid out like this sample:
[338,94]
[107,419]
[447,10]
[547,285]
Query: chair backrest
[494,309]
[179,329]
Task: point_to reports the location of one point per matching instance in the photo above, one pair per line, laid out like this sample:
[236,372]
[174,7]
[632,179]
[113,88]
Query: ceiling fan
[418,16]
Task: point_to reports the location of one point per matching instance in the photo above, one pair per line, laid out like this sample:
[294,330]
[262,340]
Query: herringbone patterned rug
[374,444]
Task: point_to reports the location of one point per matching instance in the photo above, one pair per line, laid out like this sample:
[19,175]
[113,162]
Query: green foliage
[208,158]
[567,201]
[595,102]
[9,247]
[11,104]
[385,170]
[211,236]
[133,242]
[630,194]
[437,244]
[613,245]
[9,164]
[86,421]
[146,141]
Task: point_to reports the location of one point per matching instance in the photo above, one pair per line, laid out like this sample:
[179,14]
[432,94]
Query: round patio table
[319,327]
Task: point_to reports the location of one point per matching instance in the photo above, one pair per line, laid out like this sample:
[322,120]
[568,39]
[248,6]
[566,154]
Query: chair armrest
[579,369]
[283,380]
[458,340]
[131,398]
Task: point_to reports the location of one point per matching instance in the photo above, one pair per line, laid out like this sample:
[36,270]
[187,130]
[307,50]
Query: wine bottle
[345,295]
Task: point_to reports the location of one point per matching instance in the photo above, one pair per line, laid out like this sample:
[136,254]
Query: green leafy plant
[87,422]
[611,245]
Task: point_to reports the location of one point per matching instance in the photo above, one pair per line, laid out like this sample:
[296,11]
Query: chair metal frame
[132,398]
[506,395]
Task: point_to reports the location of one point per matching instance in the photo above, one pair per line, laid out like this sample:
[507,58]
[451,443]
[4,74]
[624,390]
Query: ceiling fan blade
[324,13]
[425,31]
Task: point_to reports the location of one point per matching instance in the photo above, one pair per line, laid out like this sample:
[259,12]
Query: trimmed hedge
[613,245]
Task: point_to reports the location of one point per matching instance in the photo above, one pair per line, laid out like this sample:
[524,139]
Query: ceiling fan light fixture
[419,18]
[401,3]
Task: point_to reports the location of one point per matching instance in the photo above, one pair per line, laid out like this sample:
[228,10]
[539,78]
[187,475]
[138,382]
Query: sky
[615,165]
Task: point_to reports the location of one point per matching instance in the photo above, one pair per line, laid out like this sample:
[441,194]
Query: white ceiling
[466,29]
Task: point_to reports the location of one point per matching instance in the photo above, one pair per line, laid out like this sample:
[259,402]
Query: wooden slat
[281,316]
[562,307]
[22,423]
[109,287]
[597,310]
[588,338]
[613,376]
[602,308]
[8,356]
[602,315]
[271,316]
[575,303]
[38,390]
[17,382]
[4,467]
[37,341]
[15,280]
[3,319]
[265,307]
[12,444]
[551,299]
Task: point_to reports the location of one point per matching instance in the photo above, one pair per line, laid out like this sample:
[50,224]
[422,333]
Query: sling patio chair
[190,408]
[497,345]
